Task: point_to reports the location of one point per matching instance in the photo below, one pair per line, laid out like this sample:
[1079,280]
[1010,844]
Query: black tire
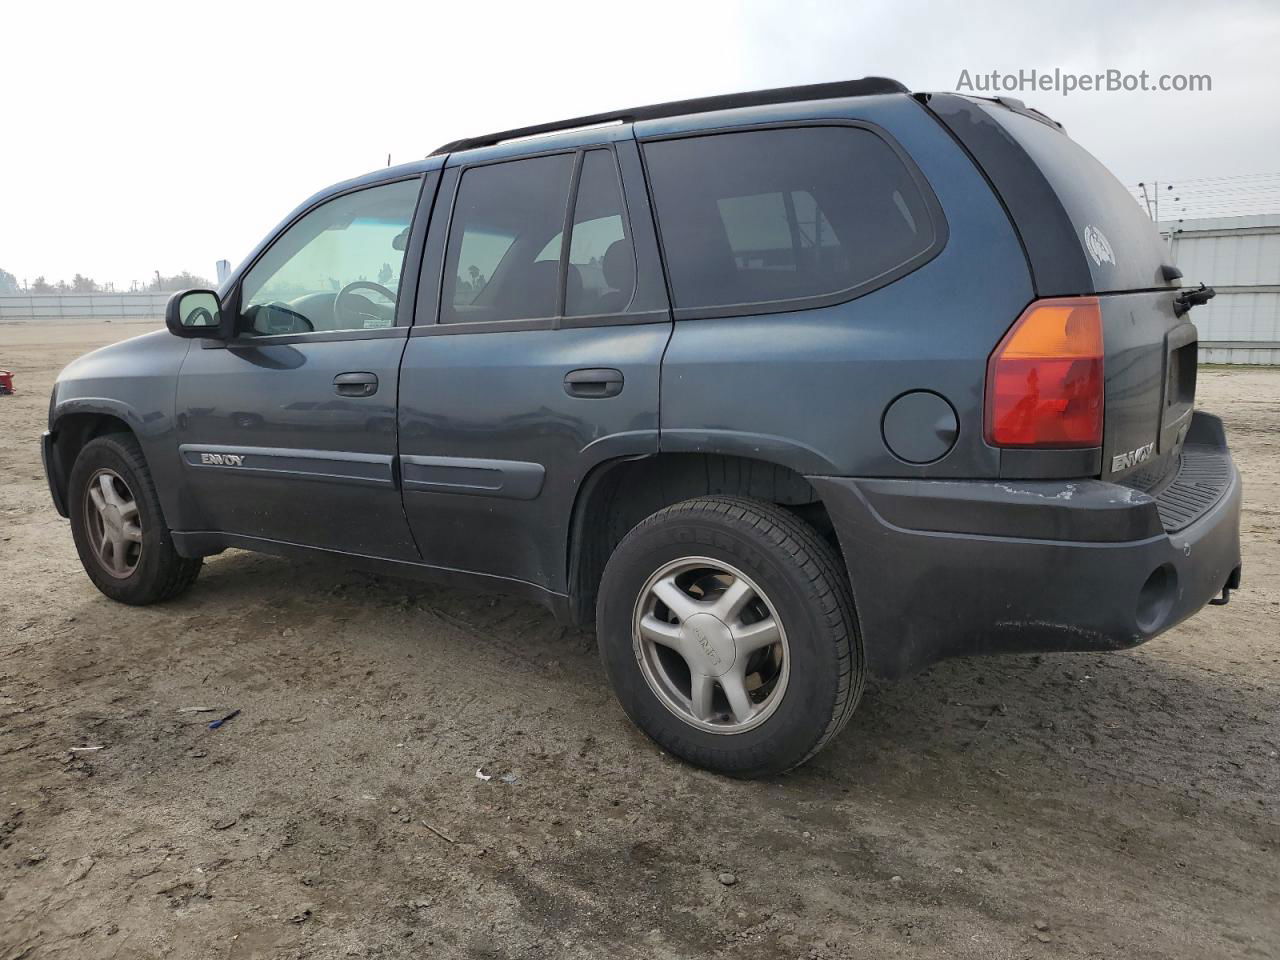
[807,587]
[160,573]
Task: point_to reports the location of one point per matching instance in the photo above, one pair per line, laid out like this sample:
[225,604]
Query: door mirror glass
[194,313]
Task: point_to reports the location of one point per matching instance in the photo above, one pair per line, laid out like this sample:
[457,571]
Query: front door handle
[593,383]
[358,384]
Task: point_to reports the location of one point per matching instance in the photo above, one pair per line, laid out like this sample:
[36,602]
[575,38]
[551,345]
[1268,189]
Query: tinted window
[338,268]
[602,265]
[479,256]
[503,261]
[782,214]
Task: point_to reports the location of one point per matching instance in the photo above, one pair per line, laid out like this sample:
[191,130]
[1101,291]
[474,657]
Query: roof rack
[865,87]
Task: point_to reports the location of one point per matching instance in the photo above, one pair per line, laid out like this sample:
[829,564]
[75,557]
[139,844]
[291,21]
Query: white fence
[1240,258]
[83,306]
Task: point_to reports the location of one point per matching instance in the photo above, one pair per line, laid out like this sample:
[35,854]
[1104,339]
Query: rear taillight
[1044,380]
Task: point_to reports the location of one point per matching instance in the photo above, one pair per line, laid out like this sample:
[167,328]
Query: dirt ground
[1123,805]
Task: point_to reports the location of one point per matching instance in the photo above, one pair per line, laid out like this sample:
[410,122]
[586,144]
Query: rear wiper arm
[1192,298]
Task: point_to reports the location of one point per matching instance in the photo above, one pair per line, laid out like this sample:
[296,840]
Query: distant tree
[186,279]
[8,282]
[80,284]
[179,281]
[41,285]
[385,274]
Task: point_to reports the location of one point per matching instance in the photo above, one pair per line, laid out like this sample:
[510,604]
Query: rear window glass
[776,215]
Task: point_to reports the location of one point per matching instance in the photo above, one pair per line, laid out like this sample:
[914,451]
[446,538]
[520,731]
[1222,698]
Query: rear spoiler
[1009,103]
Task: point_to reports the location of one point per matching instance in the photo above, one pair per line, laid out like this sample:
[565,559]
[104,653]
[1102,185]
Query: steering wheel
[340,302]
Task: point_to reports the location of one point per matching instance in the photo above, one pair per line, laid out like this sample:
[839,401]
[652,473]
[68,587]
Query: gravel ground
[1059,806]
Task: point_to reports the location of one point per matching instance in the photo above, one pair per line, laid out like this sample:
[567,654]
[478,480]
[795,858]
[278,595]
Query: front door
[534,358]
[287,433]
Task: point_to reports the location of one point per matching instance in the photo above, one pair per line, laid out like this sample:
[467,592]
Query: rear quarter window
[767,219]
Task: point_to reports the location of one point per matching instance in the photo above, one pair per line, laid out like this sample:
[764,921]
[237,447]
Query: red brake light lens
[1044,380]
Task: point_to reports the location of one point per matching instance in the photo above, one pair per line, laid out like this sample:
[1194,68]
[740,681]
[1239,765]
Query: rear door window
[771,216]
[602,264]
[503,261]
[507,257]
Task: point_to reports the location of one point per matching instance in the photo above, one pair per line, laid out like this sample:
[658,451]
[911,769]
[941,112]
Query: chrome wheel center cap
[111,517]
[707,633]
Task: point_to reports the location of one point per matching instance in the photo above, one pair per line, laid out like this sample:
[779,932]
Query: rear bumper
[951,568]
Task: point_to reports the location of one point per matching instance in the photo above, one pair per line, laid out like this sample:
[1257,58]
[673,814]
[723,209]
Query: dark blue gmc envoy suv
[779,390]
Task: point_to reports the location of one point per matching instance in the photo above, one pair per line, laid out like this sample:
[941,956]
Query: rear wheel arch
[620,493]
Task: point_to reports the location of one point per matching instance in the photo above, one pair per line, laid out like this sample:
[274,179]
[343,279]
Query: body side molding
[511,479]
[285,462]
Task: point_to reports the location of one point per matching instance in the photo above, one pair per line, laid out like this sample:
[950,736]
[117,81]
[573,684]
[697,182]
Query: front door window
[338,268]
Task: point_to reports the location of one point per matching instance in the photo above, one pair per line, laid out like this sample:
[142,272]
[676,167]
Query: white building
[1240,258]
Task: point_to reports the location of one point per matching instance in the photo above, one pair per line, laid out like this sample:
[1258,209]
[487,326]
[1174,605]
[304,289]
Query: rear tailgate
[1150,386]
[1085,235]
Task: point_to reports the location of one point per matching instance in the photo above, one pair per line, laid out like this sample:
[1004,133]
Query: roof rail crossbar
[865,87]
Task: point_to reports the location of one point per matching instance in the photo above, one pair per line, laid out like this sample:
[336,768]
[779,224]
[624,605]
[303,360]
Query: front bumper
[951,568]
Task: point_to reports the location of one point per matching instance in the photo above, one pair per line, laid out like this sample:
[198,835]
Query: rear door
[541,323]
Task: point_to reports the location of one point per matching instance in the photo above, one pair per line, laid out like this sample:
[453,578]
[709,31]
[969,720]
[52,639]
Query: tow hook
[1233,583]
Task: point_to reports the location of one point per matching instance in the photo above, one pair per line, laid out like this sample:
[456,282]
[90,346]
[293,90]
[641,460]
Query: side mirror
[195,314]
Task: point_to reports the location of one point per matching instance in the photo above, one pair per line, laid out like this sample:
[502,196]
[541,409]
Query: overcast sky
[140,137]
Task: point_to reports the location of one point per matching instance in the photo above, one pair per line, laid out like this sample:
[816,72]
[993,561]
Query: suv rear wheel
[727,630]
[119,531]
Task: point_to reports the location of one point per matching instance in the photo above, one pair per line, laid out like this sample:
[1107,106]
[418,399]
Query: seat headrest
[619,266]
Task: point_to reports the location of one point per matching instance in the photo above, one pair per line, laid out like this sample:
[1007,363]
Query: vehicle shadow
[1070,729]
[1104,721]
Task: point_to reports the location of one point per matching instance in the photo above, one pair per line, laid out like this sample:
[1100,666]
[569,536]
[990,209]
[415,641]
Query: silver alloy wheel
[113,524]
[710,645]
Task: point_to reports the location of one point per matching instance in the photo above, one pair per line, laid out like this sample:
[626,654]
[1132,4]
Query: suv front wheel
[727,630]
[119,531]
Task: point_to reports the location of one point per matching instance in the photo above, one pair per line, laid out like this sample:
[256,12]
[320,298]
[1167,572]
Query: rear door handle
[357,384]
[593,383]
